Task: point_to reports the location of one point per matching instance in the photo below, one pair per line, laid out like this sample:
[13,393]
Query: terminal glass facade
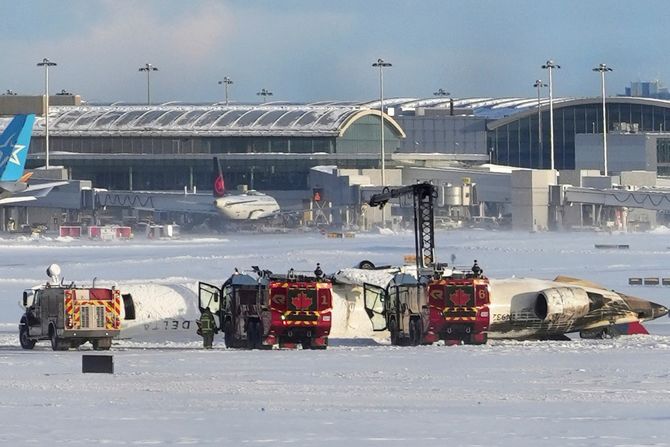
[517,143]
[663,156]
[279,160]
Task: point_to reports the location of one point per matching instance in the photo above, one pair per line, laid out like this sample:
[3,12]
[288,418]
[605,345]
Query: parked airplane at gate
[14,145]
[251,205]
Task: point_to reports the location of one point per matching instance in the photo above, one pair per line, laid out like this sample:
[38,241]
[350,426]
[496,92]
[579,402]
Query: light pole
[602,68]
[381,64]
[264,93]
[46,63]
[549,66]
[539,84]
[441,92]
[226,82]
[148,68]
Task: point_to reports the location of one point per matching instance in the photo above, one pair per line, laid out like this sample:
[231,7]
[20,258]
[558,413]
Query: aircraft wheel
[24,339]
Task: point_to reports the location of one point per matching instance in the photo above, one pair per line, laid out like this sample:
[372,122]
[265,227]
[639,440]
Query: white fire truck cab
[69,316]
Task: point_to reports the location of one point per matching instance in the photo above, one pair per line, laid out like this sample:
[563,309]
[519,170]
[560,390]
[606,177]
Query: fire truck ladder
[424,231]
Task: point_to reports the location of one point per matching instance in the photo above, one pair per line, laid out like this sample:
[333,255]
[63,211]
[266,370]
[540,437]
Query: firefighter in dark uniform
[318,272]
[206,328]
[476,270]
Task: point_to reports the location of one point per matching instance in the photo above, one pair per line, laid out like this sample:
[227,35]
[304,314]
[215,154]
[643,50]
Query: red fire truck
[458,309]
[436,304]
[262,309]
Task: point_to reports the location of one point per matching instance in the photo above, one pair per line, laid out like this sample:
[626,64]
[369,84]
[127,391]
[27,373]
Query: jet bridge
[154,201]
[654,199]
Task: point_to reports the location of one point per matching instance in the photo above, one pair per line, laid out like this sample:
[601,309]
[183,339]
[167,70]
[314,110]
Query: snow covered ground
[359,391]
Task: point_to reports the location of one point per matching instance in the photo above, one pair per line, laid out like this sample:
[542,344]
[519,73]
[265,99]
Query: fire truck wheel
[478,339]
[228,334]
[254,335]
[102,344]
[57,344]
[395,335]
[26,342]
[229,339]
[415,332]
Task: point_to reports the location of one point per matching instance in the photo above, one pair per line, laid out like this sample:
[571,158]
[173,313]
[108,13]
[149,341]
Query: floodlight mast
[46,63]
[550,65]
[226,82]
[603,68]
[148,68]
[381,64]
[539,84]
[264,93]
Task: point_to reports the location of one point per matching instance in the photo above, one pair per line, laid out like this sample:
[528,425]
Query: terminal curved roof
[531,109]
[274,119]
[325,118]
[504,110]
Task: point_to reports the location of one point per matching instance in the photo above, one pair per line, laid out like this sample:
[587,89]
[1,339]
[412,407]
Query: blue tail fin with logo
[14,144]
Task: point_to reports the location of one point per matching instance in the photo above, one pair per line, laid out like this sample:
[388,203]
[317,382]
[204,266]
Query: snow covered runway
[612,392]
[358,392]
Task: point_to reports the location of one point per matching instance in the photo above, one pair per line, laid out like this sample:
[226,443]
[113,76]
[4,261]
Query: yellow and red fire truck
[458,309]
[69,316]
[433,304]
[261,309]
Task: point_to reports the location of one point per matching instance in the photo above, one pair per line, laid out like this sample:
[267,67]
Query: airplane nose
[659,311]
[653,311]
[646,310]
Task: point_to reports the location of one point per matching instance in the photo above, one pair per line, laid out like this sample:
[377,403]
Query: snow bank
[660,230]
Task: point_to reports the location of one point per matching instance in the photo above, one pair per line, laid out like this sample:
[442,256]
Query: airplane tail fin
[14,144]
[631,328]
[217,178]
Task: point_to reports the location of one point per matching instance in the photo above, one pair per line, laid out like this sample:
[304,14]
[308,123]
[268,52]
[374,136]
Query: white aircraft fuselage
[251,205]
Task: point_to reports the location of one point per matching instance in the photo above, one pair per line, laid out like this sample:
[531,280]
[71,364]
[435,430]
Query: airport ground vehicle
[434,302]
[452,306]
[398,308]
[68,315]
[262,309]
[458,309]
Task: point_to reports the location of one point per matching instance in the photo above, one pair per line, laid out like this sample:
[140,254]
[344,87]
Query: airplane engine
[561,303]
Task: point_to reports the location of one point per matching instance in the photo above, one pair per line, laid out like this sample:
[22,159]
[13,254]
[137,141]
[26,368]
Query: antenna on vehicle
[53,272]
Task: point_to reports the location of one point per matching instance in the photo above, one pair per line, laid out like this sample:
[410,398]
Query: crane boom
[424,195]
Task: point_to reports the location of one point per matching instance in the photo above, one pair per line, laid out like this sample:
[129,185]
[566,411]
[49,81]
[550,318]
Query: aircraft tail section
[631,329]
[219,188]
[14,144]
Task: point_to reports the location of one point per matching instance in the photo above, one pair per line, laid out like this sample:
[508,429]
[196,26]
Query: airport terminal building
[169,147]
[273,146]
[516,132]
